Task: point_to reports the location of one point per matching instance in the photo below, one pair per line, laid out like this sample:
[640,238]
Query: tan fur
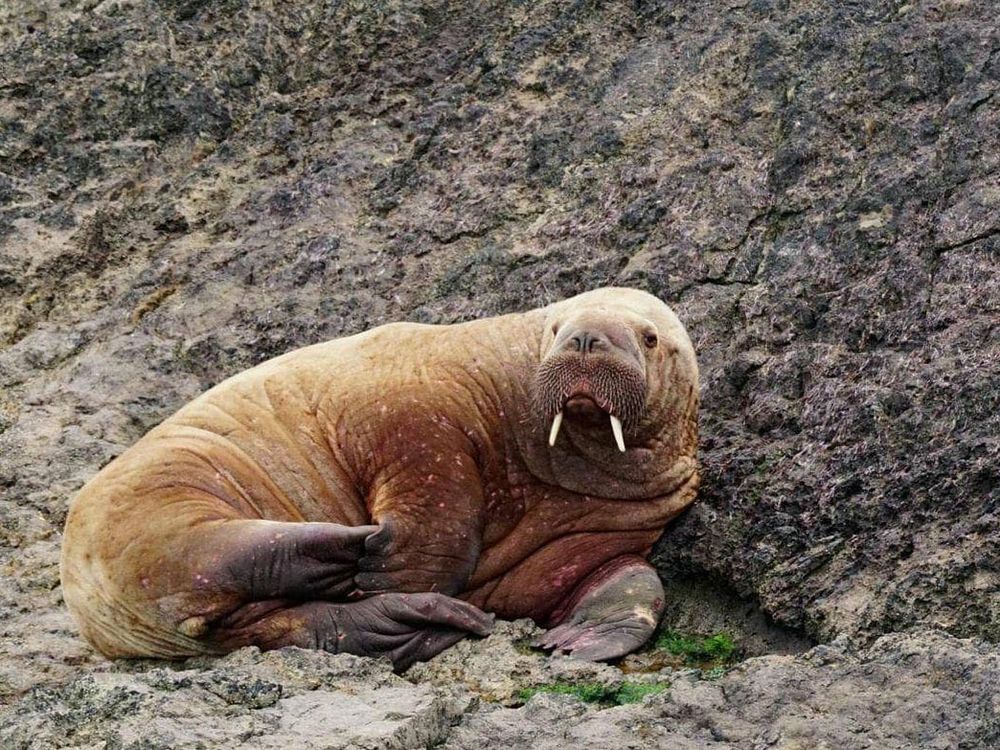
[432,425]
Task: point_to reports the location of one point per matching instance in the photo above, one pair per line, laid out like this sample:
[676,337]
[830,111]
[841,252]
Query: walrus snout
[593,375]
[588,336]
[586,342]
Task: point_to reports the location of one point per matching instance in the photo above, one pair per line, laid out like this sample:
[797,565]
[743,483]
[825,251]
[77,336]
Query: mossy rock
[594,692]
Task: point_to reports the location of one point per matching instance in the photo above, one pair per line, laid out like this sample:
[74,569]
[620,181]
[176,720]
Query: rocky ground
[925,690]
[190,187]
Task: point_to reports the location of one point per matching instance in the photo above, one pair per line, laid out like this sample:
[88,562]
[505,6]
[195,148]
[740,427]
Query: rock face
[924,690]
[190,187]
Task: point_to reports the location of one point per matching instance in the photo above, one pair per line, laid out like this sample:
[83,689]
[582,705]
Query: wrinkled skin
[380,494]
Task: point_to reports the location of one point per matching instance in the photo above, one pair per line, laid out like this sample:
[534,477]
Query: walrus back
[268,445]
[253,447]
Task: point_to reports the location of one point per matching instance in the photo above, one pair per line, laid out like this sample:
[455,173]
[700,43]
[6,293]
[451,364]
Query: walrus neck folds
[590,463]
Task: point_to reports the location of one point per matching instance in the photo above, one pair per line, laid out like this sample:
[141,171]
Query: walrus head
[594,373]
[616,376]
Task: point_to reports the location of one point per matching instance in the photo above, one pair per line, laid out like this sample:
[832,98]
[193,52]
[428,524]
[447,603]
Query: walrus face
[594,374]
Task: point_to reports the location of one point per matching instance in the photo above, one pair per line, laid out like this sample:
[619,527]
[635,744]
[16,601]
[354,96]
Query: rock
[498,668]
[188,188]
[283,699]
[926,690]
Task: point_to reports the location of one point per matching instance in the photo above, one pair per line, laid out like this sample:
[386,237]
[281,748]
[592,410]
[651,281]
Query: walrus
[388,493]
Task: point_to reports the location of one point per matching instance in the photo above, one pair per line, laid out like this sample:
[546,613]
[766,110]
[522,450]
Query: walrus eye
[650,340]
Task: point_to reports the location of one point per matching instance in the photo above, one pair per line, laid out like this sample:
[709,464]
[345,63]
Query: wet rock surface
[188,188]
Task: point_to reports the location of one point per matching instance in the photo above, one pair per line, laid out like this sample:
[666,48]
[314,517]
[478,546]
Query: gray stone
[926,690]
[283,699]
[188,188]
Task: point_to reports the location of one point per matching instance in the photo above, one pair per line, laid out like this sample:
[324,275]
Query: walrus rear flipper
[611,613]
[404,627]
[229,583]
[157,591]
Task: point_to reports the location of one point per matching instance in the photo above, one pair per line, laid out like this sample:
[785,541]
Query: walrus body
[379,493]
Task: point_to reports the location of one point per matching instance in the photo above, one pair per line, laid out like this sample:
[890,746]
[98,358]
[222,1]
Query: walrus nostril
[586,342]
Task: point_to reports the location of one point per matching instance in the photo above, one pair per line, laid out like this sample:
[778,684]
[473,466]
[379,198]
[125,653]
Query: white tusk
[554,432]
[616,427]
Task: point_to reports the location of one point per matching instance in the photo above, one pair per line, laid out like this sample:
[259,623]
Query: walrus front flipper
[430,513]
[266,560]
[611,613]
[406,628]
